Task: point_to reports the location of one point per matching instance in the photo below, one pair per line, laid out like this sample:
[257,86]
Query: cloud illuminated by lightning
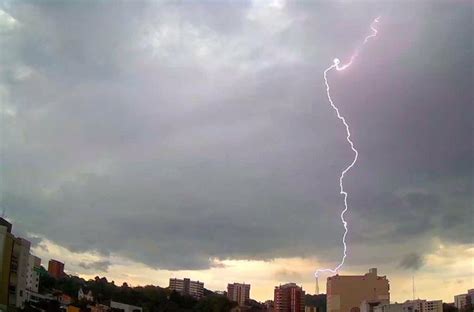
[337,65]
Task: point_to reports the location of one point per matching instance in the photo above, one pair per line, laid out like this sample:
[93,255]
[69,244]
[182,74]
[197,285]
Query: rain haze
[146,140]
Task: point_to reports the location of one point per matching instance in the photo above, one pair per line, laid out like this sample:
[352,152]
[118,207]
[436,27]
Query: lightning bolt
[337,66]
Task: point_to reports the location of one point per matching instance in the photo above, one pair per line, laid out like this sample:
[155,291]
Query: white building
[19,271]
[423,306]
[125,307]
[460,301]
[35,297]
[187,287]
[32,275]
[85,295]
[393,307]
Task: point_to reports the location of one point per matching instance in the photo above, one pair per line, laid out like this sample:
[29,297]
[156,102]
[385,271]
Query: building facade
[393,307]
[289,298]
[239,293]
[56,269]
[19,272]
[32,274]
[464,300]
[369,306]
[460,301]
[423,306]
[470,295]
[17,277]
[125,307]
[85,295]
[347,293]
[6,249]
[187,287]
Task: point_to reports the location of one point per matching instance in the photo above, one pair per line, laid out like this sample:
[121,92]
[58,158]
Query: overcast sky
[144,140]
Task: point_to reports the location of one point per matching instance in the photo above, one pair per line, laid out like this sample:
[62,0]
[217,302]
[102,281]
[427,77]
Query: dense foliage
[150,298]
[316,301]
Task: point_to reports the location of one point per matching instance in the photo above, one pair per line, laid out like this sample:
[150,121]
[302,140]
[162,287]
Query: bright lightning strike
[337,65]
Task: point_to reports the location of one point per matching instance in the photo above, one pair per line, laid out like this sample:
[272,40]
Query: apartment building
[187,287]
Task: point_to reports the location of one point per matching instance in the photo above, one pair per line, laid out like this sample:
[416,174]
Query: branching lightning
[337,65]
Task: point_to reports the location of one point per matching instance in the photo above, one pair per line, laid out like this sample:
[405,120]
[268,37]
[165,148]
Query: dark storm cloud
[102,266]
[412,261]
[35,240]
[176,133]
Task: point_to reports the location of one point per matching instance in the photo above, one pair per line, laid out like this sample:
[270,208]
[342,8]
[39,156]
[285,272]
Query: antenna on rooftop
[413,284]
[317,285]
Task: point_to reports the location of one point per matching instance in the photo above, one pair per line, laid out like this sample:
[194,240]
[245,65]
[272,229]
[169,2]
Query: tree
[449,308]
[46,282]
[215,303]
[150,298]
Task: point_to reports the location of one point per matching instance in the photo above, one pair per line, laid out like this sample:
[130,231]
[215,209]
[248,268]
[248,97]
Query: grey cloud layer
[172,135]
[95,266]
[412,261]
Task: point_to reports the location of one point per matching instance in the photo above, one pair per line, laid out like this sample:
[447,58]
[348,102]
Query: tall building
[423,306]
[239,293]
[346,293]
[464,300]
[18,272]
[470,297]
[460,301]
[187,287]
[6,249]
[56,269]
[470,294]
[32,274]
[289,298]
[16,278]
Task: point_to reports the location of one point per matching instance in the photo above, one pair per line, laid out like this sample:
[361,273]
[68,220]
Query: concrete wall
[346,293]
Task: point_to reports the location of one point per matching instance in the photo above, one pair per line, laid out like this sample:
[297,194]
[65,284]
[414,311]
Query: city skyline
[344,292]
[143,141]
[262,291]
